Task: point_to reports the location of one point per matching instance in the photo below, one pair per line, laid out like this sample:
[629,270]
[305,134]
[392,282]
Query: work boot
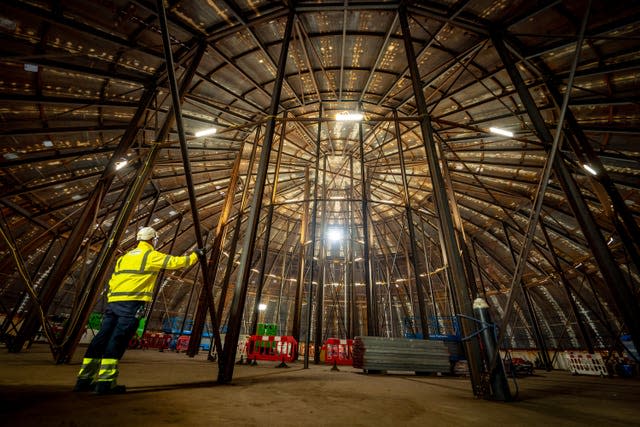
[84,384]
[107,387]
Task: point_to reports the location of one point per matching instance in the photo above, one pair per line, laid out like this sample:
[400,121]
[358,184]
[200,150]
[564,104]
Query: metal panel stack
[400,354]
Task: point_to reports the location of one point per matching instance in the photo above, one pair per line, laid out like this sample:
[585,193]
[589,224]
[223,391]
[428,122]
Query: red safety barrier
[274,348]
[182,343]
[338,351]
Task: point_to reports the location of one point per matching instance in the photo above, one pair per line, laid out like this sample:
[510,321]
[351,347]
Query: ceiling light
[590,169]
[206,132]
[502,132]
[334,234]
[47,143]
[120,163]
[349,117]
[262,307]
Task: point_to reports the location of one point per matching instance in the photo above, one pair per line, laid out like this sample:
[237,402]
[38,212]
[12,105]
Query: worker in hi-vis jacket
[130,289]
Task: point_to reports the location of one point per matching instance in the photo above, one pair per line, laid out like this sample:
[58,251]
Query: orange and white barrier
[583,363]
[338,351]
[274,348]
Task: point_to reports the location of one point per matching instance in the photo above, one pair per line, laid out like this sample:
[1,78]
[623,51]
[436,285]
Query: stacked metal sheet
[400,354]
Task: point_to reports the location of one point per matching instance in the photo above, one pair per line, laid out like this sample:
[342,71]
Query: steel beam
[619,290]
[449,244]
[322,256]
[304,220]
[253,330]
[314,220]
[370,291]
[206,297]
[102,263]
[537,333]
[227,360]
[424,323]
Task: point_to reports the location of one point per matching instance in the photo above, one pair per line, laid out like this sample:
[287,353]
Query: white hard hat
[146,233]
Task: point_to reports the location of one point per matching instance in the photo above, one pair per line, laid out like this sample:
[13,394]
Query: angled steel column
[267,232]
[537,333]
[567,289]
[321,264]
[424,323]
[370,291]
[624,299]
[449,244]
[72,334]
[206,298]
[227,361]
[72,246]
[236,231]
[184,150]
[612,202]
[304,220]
[314,220]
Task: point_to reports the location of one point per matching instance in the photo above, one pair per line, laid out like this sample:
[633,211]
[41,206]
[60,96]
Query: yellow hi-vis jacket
[135,274]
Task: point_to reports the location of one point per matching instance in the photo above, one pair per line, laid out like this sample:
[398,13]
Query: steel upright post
[304,219]
[267,232]
[225,374]
[370,291]
[317,339]
[424,323]
[449,243]
[314,218]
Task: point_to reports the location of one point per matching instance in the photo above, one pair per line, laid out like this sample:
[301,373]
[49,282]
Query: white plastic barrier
[583,363]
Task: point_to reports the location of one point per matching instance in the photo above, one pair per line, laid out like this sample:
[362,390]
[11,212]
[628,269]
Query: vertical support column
[349,282]
[618,288]
[267,232]
[317,339]
[449,244]
[424,323]
[225,373]
[370,291]
[314,219]
[304,220]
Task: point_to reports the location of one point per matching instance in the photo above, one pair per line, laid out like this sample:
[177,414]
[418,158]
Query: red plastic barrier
[183,343]
[338,351]
[271,348]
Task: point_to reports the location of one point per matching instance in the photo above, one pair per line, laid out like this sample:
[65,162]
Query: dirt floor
[172,389]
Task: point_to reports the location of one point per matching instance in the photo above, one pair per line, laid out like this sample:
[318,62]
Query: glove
[200,252]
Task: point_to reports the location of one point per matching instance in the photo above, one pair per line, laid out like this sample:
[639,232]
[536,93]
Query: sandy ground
[173,389]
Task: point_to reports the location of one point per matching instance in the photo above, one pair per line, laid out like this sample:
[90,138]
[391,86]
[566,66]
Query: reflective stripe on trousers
[108,370]
[89,368]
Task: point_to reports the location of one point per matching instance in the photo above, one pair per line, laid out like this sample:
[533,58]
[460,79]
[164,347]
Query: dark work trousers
[119,323]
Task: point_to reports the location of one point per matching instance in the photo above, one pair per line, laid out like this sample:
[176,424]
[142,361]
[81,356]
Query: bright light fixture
[205,132]
[120,164]
[590,169]
[502,132]
[262,307]
[349,117]
[334,234]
